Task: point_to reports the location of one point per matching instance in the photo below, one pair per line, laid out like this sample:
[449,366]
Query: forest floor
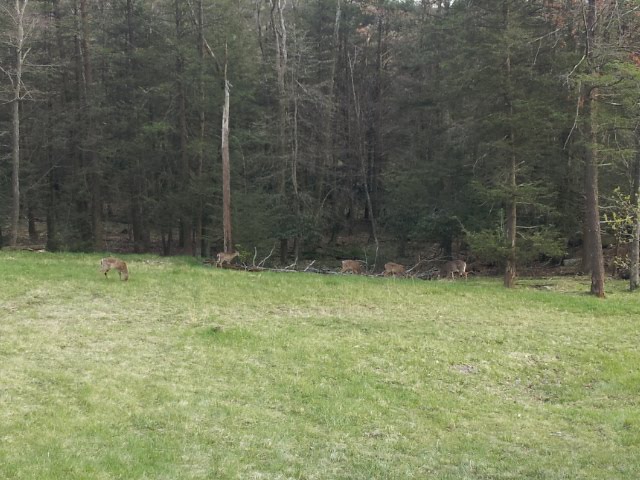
[191,372]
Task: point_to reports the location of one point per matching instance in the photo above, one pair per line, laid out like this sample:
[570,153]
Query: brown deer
[108,263]
[225,257]
[353,266]
[394,269]
[454,266]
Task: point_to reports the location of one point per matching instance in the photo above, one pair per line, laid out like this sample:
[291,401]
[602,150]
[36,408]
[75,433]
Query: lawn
[192,372]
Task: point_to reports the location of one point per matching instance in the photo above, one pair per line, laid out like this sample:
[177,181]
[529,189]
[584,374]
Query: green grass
[188,372]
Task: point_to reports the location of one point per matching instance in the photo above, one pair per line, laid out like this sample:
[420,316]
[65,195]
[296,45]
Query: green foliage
[429,104]
[619,219]
[491,246]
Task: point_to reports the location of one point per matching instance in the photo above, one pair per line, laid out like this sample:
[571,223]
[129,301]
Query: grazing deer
[225,257]
[108,263]
[452,267]
[353,266]
[392,268]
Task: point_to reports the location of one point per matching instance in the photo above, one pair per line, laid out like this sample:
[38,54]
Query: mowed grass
[189,372]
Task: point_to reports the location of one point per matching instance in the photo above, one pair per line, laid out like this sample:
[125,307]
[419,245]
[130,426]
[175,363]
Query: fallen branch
[415,266]
[267,257]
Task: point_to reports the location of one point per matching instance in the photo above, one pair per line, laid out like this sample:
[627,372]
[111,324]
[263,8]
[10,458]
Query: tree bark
[185,234]
[363,161]
[510,268]
[592,208]
[328,130]
[201,54]
[90,145]
[53,168]
[226,168]
[376,122]
[634,254]
[281,59]
[15,121]
[280,35]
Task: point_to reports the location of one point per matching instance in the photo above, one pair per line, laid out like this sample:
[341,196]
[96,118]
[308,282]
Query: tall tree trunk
[329,111]
[592,208]
[377,118]
[280,35]
[137,214]
[363,162]
[90,145]
[634,276]
[52,201]
[15,171]
[55,49]
[297,242]
[185,237]
[281,57]
[295,149]
[510,268]
[201,54]
[20,7]
[226,168]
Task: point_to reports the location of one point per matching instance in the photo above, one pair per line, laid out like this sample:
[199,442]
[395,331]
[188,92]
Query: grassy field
[188,372]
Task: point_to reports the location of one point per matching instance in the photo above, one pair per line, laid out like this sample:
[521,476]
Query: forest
[507,131]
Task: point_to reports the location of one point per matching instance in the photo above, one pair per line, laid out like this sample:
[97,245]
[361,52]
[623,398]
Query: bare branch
[575,123]
[267,257]
[576,66]
[206,43]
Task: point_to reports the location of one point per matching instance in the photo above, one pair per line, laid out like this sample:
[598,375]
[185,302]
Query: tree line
[510,125]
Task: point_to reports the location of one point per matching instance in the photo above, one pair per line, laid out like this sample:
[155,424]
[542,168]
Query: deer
[109,263]
[393,269]
[353,266]
[452,267]
[225,257]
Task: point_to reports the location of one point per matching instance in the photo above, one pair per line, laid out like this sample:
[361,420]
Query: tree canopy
[396,123]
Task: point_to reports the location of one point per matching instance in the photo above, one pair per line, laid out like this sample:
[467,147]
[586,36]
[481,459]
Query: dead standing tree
[16,41]
[226,168]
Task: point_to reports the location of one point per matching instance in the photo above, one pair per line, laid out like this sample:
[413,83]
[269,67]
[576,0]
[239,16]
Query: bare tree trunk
[54,49]
[295,149]
[510,268]
[15,159]
[327,153]
[280,35]
[593,242]
[52,224]
[137,213]
[90,133]
[377,155]
[15,120]
[297,241]
[634,276]
[226,168]
[203,46]
[201,55]
[185,234]
[592,209]
[594,254]
[15,172]
[363,161]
